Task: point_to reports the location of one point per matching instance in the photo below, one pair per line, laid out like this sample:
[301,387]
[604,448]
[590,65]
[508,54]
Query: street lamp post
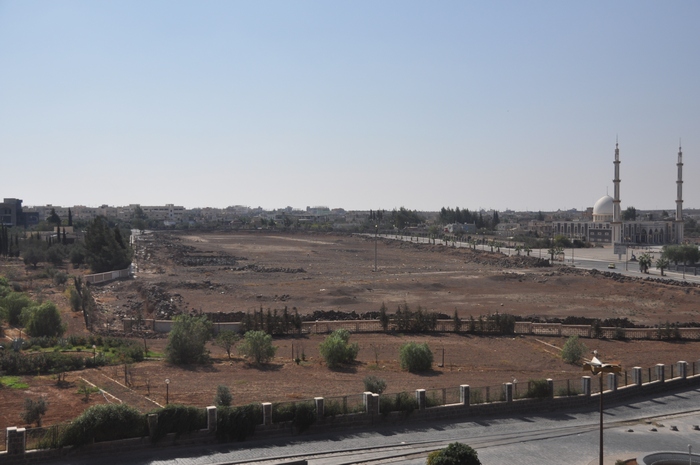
[167,391]
[598,368]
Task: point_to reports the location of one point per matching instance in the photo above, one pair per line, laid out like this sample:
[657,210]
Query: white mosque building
[608,227]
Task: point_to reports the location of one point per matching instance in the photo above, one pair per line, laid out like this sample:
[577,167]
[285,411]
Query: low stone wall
[16,452]
[445,326]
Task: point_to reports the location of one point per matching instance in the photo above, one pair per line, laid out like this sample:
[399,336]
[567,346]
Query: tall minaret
[679,198]
[616,222]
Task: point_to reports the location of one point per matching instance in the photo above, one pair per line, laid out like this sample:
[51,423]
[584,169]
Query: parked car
[611,265]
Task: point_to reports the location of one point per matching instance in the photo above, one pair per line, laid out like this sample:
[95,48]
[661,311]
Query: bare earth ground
[246,272]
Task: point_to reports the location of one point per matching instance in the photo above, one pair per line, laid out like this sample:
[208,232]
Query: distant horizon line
[480,209]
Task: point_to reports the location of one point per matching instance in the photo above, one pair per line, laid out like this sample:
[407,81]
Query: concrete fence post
[464,394]
[420,397]
[211,419]
[369,400]
[320,413]
[637,376]
[267,413]
[375,403]
[586,386]
[660,372]
[508,391]
[550,387]
[152,421]
[15,440]
[683,370]
[612,382]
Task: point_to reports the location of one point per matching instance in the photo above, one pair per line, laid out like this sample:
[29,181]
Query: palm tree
[662,263]
[644,262]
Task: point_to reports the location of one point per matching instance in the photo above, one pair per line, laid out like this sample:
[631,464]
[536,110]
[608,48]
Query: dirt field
[246,272]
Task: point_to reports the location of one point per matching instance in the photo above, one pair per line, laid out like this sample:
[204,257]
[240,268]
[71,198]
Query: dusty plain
[243,272]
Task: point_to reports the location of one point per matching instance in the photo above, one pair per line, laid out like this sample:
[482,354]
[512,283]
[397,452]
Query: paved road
[557,438]
[592,258]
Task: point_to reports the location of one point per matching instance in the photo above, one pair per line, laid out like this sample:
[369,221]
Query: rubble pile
[266,269]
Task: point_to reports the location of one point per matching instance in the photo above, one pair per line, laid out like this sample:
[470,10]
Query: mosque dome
[603,209]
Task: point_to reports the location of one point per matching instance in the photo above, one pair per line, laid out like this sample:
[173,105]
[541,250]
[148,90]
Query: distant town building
[457,228]
[11,212]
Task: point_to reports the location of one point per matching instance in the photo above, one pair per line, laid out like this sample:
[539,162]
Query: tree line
[448,215]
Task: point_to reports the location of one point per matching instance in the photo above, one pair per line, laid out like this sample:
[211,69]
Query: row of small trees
[189,335]
[421,321]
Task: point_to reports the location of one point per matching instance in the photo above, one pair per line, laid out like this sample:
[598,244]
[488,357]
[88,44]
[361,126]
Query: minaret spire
[679,196]
[616,222]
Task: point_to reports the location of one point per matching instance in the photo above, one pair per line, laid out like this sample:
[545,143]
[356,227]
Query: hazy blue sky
[353,104]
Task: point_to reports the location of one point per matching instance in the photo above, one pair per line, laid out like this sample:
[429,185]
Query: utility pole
[376,235]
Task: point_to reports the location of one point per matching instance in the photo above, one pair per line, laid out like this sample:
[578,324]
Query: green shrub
[333,408]
[42,341]
[374,384]
[76,340]
[565,392]
[60,278]
[336,349]
[257,346]
[305,416]
[454,454]
[34,410]
[475,397]
[178,419]
[223,396]
[283,412]
[16,363]
[415,357]
[187,340]
[537,388]
[401,402]
[383,317]
[130,353]
[5,287]
[43,320]
[573,350]
[433,400]
[14,303]
[619,334]
[236,424]
[301,414]
[107,422]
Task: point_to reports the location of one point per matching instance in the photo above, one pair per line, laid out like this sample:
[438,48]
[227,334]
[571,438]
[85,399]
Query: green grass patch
[13,382]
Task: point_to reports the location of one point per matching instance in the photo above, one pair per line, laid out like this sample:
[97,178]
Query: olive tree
[187,340]
[415,357]
[226,339]
[257,346]
[43,320]
[337,350]
[573,350]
